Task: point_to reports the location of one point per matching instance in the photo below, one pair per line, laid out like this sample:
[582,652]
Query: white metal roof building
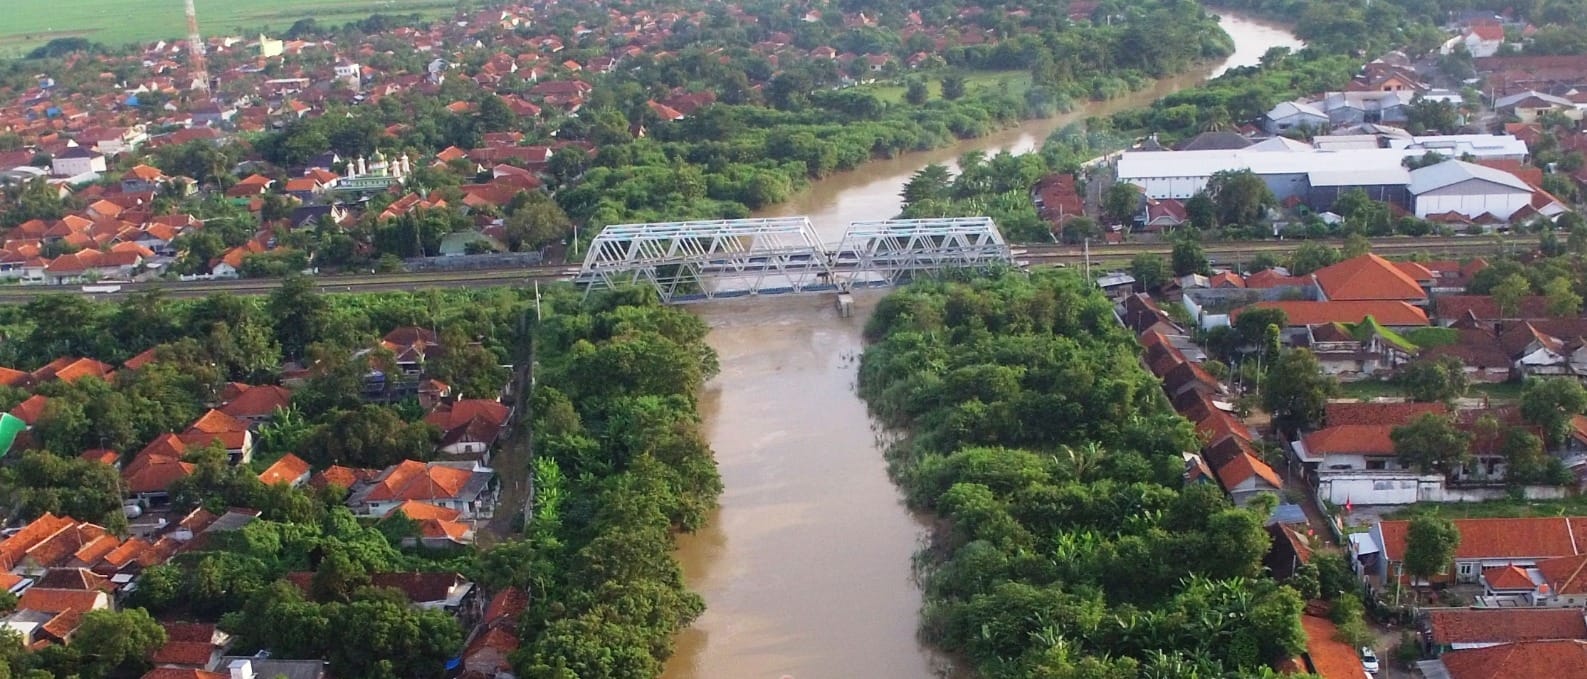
[1469,190]
[1182,174]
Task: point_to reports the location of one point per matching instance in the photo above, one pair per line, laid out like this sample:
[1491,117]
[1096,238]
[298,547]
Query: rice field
[25,24]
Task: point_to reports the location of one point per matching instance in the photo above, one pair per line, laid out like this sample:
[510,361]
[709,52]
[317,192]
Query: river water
[805,569]
[871,190]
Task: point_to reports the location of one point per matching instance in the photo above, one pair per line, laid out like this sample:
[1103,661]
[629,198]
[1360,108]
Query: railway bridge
[703,260]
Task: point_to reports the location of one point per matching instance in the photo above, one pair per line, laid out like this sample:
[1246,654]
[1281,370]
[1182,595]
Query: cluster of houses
[76,137]
[1526,579]
[1363,318]
[1230,457]
[444,496]
[61,568]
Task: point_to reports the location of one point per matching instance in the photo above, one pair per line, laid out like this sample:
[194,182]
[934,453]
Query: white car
[1369,660]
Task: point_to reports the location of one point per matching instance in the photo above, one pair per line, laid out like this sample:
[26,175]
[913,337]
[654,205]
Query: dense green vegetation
[621,465]
[1071,549]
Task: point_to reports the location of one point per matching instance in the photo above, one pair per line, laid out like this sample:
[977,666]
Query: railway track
[1033,254]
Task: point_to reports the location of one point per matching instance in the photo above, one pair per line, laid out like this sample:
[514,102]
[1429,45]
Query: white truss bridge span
[702,260]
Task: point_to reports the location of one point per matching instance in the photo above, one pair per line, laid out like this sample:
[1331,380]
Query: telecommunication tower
[195,48]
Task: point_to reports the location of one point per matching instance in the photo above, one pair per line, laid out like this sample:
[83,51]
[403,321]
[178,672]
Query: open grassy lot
[1504,392]
[975,82]
[25,24]
[1495,509]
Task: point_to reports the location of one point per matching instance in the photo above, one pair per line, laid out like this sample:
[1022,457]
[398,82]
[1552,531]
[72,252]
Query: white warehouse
[1469,190]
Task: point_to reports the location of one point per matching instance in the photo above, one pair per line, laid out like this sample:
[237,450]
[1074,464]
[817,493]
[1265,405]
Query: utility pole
[1088,257]
[195,50]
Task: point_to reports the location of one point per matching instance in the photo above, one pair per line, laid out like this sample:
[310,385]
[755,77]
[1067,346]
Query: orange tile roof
[195,653]
[346,477]
[1564,575]
[12,378]
[1508,577]
[1552,659]
[1500,625]
[1243,467]
[508,604]
[1391,313]
[258,401]
[1365,439]
[1535,537]
[416,510]
[154,473]
[1330,658]
[458,414]
[217,422]
[413,480]
[126,552]
[48,600]
[495,639]
[290,469]
[12,549]
[1367,277]
[145,172]
[182,673]
[32,409]
[1379,413]
[142,359]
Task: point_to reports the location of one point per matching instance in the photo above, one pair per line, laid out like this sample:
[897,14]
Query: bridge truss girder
[682,259]
[896,248]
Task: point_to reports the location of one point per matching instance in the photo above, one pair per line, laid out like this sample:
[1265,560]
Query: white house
[77,161]
[1481,40]
[1468,190]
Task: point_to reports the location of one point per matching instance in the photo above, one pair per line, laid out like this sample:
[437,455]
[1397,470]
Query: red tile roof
[1367,277]
[413,480]
[1365,439]
[1341,413]
[1551,659]
[346,477]
[1536,537]
[1330,658]
[1508,577]
[1484,308]
[1565,575]
[1390,313]
[1242,468]
[182,673]
[1501,625]
[257,402]
[290,469]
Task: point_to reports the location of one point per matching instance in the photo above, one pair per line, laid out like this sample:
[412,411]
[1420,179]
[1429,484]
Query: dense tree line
[621,466]
[1054,457]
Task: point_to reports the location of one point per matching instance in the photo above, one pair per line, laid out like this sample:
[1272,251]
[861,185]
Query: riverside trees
[1055,458]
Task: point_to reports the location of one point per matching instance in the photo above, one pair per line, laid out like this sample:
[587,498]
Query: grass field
[1504,392]
[25,24]
[975,82]
[1495,509]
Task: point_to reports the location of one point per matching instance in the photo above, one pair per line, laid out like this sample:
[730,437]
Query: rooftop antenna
[195,49]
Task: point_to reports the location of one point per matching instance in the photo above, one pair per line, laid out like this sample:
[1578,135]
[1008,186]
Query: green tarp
[10,426]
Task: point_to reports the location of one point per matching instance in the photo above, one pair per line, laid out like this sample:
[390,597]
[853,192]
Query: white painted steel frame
[680,258]
[895,248]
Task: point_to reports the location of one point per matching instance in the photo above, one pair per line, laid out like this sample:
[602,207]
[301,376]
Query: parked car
[1369,660]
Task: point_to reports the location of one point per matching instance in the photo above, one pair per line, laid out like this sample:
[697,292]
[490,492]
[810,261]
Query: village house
[1379,554]
[462,486]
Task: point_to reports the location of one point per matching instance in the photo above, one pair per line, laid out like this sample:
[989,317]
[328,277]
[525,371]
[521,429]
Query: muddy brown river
[805,569]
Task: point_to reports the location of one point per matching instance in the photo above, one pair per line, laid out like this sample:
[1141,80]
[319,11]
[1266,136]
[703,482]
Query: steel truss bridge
[691,261]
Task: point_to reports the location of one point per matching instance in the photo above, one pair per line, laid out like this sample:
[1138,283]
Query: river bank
[871,191]
[806,568]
